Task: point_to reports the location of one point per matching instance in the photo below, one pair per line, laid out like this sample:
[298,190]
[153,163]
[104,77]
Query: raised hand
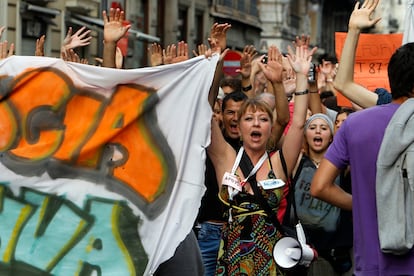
[98,61]
[218,37]
[361,16]
[79,39]
[175,53]
[304,40]
[182,52]
[201,50]
[2,28]
[328,70]
[155,54]
[40,46]
[300,60]
[289,73]
[169,53]
[84,61]
[326,73]
[70,55]
[5,50]
[274,68]
[114,29]
[249,52]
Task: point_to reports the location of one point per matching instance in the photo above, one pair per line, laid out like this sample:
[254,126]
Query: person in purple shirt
[357,144]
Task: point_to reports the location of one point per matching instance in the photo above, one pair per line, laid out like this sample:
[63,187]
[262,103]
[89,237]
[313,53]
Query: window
[182,24]
[241,6]
[198,28]
[228,3]
[253,8]
[160,18]
[33,28]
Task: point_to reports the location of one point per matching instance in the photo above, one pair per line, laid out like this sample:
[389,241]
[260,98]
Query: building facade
[254,22]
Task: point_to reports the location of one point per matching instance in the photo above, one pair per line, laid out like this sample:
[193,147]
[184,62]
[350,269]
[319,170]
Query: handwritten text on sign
[372,56]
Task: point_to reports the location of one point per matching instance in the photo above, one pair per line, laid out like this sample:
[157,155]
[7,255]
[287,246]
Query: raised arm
[217,40]
[155,54]
[273,71]
[292,145]
[114,30]
[201,50]
[245,71]
[79,39]
[71,55]
[2,28]
[182,52]
[218,36]
[40,46]
[5,50]
[169,53]
[214,89]
[220,152]
[344,80]
[314,104]
[326,74]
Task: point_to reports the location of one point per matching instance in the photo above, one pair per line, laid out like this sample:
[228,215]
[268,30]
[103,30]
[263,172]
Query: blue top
[384,96]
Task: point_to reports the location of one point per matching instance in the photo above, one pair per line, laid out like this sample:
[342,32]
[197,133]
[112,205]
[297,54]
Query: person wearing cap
[321,221]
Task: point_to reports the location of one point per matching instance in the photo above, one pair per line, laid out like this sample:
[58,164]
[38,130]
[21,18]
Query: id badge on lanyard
[234,186]
[271,183]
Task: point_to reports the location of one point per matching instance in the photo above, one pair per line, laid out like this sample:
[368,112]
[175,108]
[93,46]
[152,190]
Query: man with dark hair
[329,100]
[230,84]
[357,143]
[210,217]
[230,106]
[328,59]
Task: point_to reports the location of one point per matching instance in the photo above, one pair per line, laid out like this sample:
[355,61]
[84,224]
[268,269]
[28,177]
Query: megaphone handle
[300,233]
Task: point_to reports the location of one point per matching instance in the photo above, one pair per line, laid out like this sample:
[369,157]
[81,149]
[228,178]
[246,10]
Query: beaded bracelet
[301,93]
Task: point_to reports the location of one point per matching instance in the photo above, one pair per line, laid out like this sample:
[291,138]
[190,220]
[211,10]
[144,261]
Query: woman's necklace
[315,162]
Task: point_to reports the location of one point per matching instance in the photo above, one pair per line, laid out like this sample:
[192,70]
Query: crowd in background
[270,162]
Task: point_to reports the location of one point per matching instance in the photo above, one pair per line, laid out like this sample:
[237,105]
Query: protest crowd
[284,154]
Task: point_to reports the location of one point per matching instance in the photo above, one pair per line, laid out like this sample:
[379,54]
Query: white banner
[100,169]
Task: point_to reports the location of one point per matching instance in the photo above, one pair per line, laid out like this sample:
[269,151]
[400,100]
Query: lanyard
[231,190]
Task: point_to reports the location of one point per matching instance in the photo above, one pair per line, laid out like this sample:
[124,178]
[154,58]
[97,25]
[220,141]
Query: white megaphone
[289,252]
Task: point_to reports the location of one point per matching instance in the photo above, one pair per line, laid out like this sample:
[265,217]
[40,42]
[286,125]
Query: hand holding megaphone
[289,252]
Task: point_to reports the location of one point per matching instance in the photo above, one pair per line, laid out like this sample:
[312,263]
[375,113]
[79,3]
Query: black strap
[246,167]
[283,161]
[291,216]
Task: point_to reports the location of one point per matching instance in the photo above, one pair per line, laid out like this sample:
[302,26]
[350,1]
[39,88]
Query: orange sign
[371,61]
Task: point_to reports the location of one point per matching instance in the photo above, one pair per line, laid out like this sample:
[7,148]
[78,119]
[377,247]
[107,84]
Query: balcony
[227,12]
[83,6]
